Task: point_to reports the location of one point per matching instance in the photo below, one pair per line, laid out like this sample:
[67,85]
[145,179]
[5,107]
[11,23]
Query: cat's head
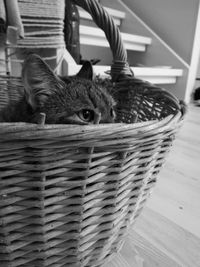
[76,99]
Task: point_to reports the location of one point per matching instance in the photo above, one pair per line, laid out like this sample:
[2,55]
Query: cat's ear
[39,81]
[86,71]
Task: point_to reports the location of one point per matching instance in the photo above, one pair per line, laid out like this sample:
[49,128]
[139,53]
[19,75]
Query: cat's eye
[86,115]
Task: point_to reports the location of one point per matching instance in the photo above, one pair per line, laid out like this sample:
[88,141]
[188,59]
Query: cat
[64,100]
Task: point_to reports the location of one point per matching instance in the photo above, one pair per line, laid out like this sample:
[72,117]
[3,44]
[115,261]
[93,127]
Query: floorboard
[167,233]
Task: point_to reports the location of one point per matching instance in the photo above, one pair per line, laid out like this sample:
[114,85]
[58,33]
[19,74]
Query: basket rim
[95,131]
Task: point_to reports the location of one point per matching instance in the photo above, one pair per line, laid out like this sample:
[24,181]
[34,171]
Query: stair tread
[151,74]
[125,36]
[155,75]
[95,36]
[147,71]
[116,14]
[113,12]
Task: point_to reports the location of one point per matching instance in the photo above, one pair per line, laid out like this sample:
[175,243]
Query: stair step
[158,75]
[116,14]
[155,75]
[96,37]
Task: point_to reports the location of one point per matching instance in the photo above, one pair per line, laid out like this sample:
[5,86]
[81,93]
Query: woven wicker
[69,193]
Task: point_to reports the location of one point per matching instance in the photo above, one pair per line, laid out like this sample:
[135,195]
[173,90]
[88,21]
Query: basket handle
[105,22]
[120,69]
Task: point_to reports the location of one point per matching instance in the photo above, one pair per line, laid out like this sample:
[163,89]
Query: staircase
[94,44]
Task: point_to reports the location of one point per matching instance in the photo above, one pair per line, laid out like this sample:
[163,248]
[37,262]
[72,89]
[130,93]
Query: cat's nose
[97,117]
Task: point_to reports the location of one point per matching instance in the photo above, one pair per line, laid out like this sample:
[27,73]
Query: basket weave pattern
[61,204]
[68,193]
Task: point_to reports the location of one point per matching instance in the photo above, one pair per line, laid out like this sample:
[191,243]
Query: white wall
[173,20]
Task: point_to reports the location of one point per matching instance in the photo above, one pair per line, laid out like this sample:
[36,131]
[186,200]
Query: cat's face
[74,100]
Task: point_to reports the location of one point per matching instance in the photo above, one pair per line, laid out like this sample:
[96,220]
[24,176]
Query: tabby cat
[64,100]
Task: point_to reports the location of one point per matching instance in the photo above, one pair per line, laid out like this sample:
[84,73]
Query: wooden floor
[167,233]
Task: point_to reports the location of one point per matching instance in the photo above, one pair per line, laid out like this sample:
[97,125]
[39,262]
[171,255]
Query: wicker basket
[69,193]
